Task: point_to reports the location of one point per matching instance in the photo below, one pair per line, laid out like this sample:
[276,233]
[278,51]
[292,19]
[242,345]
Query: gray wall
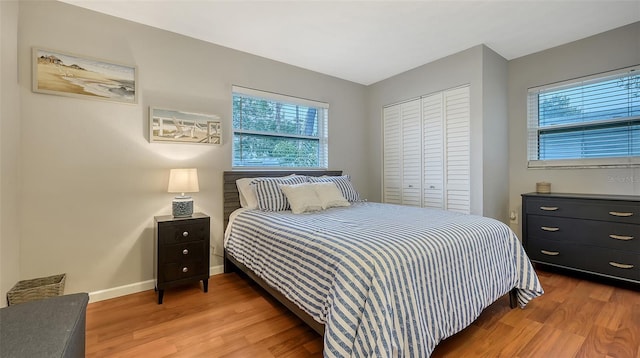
[485,71]
[607,51]
[495,142]
[91,181]
[9,150]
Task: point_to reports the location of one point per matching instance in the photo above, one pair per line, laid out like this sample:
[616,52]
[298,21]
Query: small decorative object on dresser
[598,234]
[181,251]
[543,187]
[183,181]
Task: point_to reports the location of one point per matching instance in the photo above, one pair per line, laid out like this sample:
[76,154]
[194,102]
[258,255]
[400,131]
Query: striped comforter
[386,280]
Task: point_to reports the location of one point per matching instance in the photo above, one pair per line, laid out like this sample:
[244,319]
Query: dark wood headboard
[230,190]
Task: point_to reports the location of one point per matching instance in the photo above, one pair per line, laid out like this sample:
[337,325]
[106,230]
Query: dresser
[181,251]
[598,234]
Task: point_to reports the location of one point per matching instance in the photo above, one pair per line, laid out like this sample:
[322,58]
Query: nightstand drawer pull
[622,266]
[549,208]
[617,213]
[185,252]
[185,269]
[550,253]
[620,237]
[185,234]
[552,229]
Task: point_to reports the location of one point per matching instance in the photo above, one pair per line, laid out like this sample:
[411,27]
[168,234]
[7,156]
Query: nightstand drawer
[182,252]
[184,231]
[183,270]
[611,235]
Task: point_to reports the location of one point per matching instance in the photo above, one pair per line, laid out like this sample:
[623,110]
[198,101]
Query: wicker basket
[36,289]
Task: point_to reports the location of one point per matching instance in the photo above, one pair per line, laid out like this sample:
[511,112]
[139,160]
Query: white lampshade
[183,181]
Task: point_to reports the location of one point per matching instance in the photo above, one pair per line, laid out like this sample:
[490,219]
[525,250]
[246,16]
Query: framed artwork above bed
[174,126]
[65,74]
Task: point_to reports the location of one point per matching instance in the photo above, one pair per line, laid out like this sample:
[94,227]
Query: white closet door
[433,144]
[427,158]
[457,120]
[411,153]
[392,161]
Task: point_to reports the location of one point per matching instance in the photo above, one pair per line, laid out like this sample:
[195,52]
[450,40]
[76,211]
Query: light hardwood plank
[577,316]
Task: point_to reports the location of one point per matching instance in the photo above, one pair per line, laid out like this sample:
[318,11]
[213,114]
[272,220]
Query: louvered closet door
[433,158]
[411,153]
[457,120]
[392,161]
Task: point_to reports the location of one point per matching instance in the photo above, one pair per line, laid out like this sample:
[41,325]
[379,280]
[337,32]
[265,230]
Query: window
[272,130]
[588,122]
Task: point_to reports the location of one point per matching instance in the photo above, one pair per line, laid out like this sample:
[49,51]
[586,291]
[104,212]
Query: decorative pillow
[247,192]
[329,194]
[269,195]
[302,197]
[343,183]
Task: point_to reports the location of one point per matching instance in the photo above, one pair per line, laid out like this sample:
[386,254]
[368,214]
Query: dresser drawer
[608,262]
[623,212]
[553,252]
[184,231]
[613,263]
[183,270]
[182,252]
[604,234]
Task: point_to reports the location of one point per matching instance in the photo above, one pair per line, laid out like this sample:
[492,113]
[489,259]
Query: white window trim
[323,127]
[533,129]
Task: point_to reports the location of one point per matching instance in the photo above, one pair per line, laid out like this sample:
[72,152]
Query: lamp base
[182,206]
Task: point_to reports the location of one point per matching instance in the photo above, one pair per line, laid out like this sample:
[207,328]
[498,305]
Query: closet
[426,156]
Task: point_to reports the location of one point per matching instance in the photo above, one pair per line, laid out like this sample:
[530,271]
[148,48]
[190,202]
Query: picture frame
[66,74]
[175,126]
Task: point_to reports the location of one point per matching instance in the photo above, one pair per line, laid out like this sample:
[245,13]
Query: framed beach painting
[66,74]
[172,126]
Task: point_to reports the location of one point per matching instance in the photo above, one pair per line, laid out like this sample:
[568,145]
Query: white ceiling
[368,41]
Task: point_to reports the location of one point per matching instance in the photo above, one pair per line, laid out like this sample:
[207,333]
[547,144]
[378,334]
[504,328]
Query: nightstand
[181,251]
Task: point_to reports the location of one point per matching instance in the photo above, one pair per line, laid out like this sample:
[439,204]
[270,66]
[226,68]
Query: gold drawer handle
[622,266]
[620,237]
[623,215]
[552,229]
[550,253]
[549,208]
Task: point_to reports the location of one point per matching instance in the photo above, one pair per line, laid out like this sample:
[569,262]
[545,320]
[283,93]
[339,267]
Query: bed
[377,279]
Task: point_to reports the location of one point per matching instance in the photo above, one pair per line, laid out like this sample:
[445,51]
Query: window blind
[591,121]
[274,130]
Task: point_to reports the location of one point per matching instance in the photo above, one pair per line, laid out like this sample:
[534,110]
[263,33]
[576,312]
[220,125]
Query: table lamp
[183,181]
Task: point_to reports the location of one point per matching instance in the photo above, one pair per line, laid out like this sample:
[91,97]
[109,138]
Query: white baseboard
[136,287]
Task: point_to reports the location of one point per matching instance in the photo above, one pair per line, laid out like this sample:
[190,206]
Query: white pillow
[248,198]
[302,197]
[343,182]
[330,195]
[247,192]
[270,196]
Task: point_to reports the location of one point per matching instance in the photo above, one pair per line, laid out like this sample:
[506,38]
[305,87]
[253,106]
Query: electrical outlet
[513,217]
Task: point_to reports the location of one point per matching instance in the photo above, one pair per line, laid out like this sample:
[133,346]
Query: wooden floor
[576,317]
